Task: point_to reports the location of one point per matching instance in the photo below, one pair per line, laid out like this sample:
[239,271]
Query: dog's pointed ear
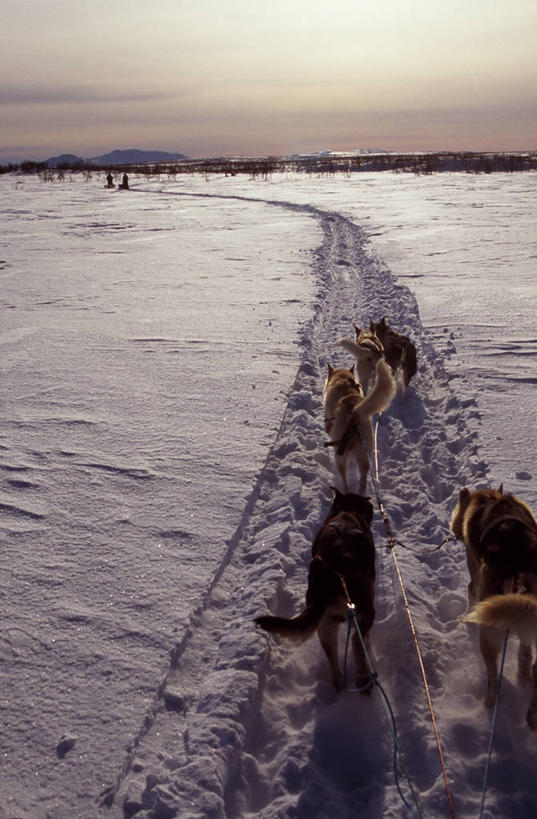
[500,489]
[330,370]
[382,322]
[372,328]
[357,330]
[351,369]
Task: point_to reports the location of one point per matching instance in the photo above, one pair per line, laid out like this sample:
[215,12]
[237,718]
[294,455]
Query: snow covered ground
[162,475]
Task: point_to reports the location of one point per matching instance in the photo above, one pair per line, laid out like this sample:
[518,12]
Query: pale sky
[225,77]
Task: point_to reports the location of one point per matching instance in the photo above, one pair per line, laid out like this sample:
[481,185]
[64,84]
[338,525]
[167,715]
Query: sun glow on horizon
[243,77]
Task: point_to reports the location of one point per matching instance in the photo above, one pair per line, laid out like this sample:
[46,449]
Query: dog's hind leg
[363,468]
[524,664]
[342,466]
[531,716]
[328,632]
[490,642]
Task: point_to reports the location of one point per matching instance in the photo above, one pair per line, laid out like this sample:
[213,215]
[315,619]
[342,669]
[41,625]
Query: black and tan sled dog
[399,350]
[500,534]
[343,554]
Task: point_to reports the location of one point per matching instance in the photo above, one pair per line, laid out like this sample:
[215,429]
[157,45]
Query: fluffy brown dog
[399,351]
[500,534]
[343,548]
[348,418]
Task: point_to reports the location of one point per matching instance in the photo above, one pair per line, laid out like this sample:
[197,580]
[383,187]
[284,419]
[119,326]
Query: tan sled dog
[343,552]
[399,351]
[367,350]
[500,534]
[347,417]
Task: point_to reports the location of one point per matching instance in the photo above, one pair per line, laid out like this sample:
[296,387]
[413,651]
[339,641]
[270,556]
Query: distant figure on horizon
[110,180]
[125,182]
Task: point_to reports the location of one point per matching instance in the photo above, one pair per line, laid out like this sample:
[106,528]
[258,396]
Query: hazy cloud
[26,95]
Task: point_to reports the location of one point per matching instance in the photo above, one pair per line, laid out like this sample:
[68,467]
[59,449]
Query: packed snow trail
[244,726]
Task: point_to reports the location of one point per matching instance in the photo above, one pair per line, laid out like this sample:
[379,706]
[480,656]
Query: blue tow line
[385,704]
[493,725]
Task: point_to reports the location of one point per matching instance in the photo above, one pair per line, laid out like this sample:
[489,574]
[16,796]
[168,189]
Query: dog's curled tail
[300,627]
[516,612]
[349,345]
[359,350]
[384,389]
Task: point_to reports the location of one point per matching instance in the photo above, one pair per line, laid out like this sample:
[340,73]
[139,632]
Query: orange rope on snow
[391,545]
[425,683]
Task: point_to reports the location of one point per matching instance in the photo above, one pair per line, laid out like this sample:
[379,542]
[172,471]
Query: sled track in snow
[239,723]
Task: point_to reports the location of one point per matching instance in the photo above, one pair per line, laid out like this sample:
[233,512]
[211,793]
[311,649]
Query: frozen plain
[162,476]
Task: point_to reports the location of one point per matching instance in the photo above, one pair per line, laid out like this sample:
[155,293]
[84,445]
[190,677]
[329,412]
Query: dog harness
[353,428]
[340,528]
[343,534]
[505,519]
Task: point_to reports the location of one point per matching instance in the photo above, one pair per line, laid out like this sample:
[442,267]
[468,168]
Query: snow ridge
[242,726]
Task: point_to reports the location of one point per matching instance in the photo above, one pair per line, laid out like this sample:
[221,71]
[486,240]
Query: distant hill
[133,156]
[64,159]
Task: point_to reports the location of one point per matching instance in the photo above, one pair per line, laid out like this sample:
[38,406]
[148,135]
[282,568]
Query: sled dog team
[498,530]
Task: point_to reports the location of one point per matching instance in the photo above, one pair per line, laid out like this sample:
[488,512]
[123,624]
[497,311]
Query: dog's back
[348,418]
[341,394]
[343,547]
[499,529]
[344,399]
